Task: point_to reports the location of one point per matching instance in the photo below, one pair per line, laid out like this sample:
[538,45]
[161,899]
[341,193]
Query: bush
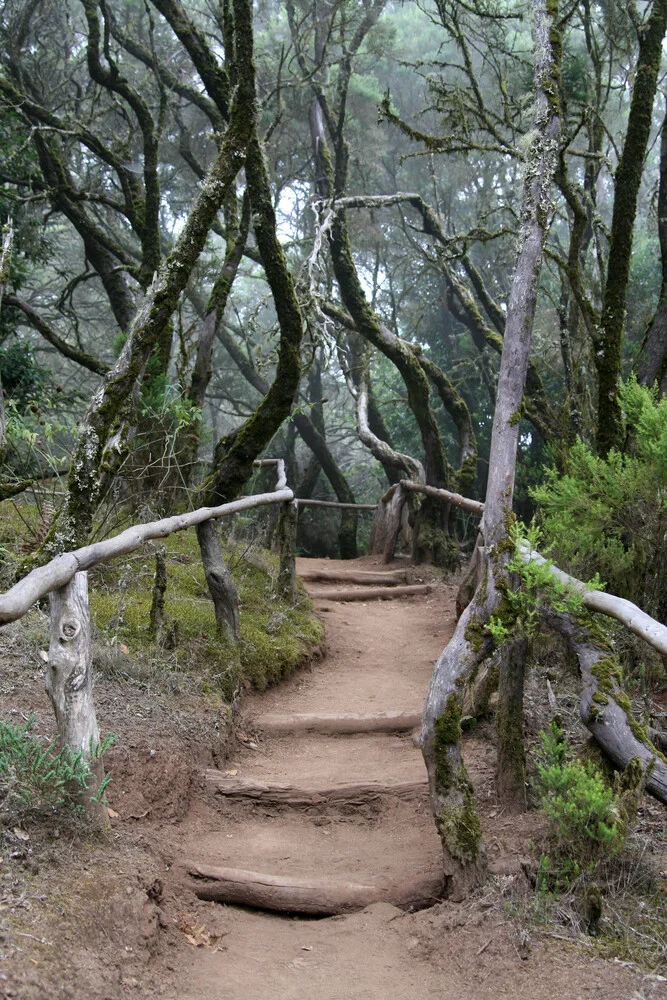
[36,775]
[581,807]
[608,516]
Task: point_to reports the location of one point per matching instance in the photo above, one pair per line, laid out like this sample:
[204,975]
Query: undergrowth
[275,636]
[595,877]
[39,775]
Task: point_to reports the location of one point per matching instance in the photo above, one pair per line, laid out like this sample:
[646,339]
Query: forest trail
[379,660]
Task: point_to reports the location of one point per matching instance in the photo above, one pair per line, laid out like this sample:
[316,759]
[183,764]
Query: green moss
[476,634]
[447,732]
[607,671]
[518,413]
[275,637]
[458,824]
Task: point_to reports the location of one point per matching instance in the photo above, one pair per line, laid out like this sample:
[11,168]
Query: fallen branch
[282,793]
[382,722]
[391,579]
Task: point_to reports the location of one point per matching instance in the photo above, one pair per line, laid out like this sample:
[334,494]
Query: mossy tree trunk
[451,792]
[652,362]
[221,586]
[104,418]
[627,181]
[511,762]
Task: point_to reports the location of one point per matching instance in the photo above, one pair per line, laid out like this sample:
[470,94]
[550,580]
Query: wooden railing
[65,580]
[636,620]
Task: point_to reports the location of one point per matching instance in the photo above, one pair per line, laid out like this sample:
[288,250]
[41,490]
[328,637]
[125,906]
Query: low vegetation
[275,636]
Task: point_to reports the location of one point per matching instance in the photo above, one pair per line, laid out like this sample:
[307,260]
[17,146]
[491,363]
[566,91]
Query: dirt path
[379,659]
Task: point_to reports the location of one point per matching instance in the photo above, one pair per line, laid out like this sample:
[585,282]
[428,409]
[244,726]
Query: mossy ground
[275,636]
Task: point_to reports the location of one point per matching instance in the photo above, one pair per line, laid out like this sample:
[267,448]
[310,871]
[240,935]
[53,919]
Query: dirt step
[314,761]
[396,844]
[372,593]
[389,579]
[346,723]
[315,897]
[281,793]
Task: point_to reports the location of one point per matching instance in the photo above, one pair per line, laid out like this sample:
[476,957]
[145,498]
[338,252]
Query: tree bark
[451,790]
[627,181]
[286,531]
[69,682]
[511,763]
[221,586]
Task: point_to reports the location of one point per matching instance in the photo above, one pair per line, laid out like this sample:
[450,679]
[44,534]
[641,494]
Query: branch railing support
[69,683]
[286,531]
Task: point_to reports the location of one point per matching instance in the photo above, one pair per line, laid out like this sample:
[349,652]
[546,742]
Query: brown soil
[119,918]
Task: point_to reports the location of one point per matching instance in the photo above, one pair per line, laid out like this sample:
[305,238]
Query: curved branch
[67,350]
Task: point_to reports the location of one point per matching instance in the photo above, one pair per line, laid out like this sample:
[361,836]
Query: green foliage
[607,516]
[37,775]
[23,379]
[582,809]
[535,583]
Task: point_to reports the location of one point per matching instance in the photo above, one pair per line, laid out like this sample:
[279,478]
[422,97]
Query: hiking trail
[323,809]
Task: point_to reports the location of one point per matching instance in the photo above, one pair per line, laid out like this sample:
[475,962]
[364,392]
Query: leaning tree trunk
[451,791]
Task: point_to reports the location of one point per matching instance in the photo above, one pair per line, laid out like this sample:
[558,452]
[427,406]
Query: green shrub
[38,775]
[609,516]
[582,808]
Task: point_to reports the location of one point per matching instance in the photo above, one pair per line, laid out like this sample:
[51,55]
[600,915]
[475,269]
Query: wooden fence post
[286,531]
[69,681]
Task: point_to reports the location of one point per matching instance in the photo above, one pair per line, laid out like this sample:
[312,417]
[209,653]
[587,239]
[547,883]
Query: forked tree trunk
[69,682]
[388,523]
[451,791]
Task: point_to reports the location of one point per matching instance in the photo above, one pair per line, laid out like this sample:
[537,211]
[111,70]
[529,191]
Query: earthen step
[390,579]
[330,725]
[372,594]
[283,793]
[316,897]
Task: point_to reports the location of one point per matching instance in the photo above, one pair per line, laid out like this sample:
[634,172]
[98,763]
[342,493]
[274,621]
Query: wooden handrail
[636,620]
[55,574]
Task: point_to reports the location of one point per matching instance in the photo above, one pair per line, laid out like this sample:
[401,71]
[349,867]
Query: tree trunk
[222,588]
[286,531]
[159,588]
[627,181]
[451,791]
[69,682]
[511,763]
[387,523]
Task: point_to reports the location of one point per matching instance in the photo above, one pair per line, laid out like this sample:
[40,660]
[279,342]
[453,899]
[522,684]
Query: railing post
[69,681]
[286,531]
